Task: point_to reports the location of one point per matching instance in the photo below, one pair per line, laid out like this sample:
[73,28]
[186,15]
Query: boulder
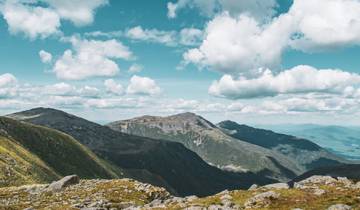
[63,183]
[262,199]
[253,187]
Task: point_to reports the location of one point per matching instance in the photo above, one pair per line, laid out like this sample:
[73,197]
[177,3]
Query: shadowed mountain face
[171,164]
[302,152]
[211,144]
[25,155]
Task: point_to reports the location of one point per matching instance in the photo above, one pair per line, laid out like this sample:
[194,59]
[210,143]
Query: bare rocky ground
[317,192]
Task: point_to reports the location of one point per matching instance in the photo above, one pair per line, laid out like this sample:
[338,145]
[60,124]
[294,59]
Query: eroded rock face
[63,183]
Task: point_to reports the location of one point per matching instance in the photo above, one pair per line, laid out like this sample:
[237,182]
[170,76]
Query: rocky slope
[317,192]
[304,153]
[161,163]
[213,145]
[25,156]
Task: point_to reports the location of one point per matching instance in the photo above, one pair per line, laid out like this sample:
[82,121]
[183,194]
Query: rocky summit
[316,192]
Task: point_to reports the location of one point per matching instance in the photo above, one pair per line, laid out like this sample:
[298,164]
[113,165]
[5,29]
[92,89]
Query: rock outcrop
[340,194]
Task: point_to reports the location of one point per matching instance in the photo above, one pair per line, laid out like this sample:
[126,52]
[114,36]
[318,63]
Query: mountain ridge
[181,169]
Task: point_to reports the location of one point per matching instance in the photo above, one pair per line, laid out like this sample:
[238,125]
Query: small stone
[339,207]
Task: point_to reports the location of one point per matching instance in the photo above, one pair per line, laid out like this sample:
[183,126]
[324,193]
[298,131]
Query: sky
[251,61]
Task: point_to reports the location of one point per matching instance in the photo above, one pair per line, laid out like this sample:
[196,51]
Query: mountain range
[162,163]
[184,153]
[234,147]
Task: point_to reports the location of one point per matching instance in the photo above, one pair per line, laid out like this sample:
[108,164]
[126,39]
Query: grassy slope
[19,166]
[57,150]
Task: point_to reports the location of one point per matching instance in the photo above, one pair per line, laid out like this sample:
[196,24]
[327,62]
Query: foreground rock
[63,183]
[323,193]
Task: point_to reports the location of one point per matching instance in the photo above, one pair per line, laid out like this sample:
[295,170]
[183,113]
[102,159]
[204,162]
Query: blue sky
[252,61]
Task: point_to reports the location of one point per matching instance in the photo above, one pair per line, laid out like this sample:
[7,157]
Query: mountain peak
[37,113]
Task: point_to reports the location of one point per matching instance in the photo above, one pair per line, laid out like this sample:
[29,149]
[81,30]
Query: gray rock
[63,183]
[277,186]
[339,207]
[318,180]
[262,199]
[191,198]
[253,187]
[319,192]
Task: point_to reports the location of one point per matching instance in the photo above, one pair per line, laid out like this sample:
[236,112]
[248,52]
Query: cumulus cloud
[338,19]
[8,85]
[91,58]
[135,68]
[45,57]
[191,36]
[259,9]
[300,79]
[79,12]
[206,7]
[240,45]
[143,86]
[35,19]
[152,35]
[113,87]
[186,36]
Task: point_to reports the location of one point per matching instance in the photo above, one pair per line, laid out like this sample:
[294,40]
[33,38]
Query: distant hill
[170,164]
[35,154]
[304,153]
[212,144]
[341,140]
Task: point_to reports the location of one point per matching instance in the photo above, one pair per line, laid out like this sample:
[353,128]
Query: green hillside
[32,154]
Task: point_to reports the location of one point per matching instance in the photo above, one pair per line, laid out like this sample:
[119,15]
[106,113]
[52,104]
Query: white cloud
[45,57]
[7,80]
[33,21]
[143,86]
[62,89]
[259,9]
[114,88]
[152,35]
[79,12]
[191,36]
[135,68]
[300,79]
[8,84]
[206,7]
[91,58]
[240,45]
[324,24]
